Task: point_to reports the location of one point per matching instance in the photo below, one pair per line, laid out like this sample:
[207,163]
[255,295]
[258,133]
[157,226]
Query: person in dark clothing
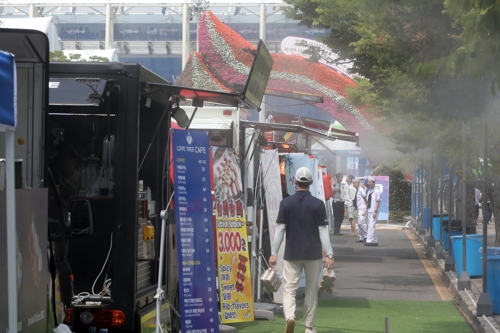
[338,196]
[303,218]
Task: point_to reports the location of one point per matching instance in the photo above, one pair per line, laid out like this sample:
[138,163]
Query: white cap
[356,180]
[371,178]
[303,175]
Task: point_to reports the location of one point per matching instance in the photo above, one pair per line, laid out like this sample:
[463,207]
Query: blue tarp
[8,93]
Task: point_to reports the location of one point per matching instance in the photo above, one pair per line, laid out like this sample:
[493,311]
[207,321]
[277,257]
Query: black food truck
[93,145]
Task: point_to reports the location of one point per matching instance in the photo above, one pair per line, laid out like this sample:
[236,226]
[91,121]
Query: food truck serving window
[84,91]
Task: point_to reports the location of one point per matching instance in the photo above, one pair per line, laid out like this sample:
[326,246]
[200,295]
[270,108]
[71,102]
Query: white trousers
[362,231]
[291,275]
[371,236]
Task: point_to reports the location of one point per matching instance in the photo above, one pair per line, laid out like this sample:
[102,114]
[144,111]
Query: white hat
[356,180]
[371,178]
[303,175]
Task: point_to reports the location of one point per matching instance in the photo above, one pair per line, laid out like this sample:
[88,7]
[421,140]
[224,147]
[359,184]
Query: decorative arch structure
[224,60]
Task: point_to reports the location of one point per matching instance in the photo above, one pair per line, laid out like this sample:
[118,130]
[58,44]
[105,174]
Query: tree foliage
[425,68]
[60,56]
[399,191]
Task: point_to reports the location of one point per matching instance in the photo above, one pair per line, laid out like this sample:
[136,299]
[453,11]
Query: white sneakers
[310,330]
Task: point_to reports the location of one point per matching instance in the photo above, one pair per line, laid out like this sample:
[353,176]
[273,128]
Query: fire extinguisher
[148,245]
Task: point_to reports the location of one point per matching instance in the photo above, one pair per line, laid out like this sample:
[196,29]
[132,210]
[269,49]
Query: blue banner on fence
[8,93]
[195,250]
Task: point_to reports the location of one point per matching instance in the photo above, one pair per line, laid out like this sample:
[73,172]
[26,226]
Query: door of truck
[31,51]
[109,121]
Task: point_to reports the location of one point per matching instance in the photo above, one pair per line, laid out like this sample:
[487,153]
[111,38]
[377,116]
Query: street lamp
[197,8]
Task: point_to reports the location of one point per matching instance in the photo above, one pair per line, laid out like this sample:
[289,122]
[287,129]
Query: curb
[462,299]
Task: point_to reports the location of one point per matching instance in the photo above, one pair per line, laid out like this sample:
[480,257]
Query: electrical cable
[165,111]
[103,266]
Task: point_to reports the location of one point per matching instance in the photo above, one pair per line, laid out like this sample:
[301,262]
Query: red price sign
[229,241]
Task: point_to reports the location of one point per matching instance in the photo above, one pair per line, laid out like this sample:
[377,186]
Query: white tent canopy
[43,24]
[334,145]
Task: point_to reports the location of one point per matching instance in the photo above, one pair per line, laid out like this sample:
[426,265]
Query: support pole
[11,230]
[185,34]
[484,304]
[431,242]
[449,264]
[262,35]
[440,250]
[159,290]
[110,27]
[421,229]
[464,281]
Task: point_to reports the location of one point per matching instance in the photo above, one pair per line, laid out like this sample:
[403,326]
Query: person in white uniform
[371,211]
[360,205]
[350,197]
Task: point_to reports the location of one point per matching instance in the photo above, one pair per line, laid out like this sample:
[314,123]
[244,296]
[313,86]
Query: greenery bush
[399,191]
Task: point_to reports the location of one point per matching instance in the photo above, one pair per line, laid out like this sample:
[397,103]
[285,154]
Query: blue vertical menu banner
[193,214]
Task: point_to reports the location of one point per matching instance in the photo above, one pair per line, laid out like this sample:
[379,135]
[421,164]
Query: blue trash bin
[436,229]
[445,237]
[493,274]
[472,255]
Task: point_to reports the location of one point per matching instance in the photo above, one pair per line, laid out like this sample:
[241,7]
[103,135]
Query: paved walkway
[466,299]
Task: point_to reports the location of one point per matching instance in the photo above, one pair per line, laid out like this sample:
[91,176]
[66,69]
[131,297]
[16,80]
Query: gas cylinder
[148,245]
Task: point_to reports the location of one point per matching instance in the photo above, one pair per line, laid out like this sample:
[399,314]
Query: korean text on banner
[193,216]
[232,242]
[8,95]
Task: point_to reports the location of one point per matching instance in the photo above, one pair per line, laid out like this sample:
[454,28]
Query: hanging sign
[235,286]
[8,97]
[193,216]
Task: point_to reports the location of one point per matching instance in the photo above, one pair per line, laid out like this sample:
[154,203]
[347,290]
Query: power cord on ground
[106,287]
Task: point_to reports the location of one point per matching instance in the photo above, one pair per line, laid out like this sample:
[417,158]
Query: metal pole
[262,35]
[486,190]
[421,208]
[414,195]
[159,289]
[185,34]
[464,197]
[441,198]
[449,264]
[431,242]
[484,305]
[431,190]
[11,230]
[109,35]
[464,281]
[451,204]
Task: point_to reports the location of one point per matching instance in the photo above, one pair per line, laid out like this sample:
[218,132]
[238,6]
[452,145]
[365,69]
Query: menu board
[232,242]
[193,216]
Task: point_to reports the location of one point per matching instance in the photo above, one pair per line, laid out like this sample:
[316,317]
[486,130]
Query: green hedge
[399,191]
